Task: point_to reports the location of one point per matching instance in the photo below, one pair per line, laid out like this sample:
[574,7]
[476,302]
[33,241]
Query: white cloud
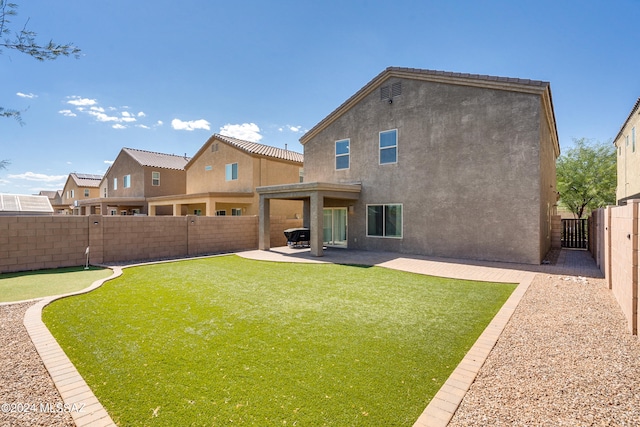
[102,117]
[108,162]
[98,109]
[143,126]
[142,114]
[40,177]
[79,102]
[26,95]
[178,124]
[118,126]
[245,131]
[67,113]
[160,123]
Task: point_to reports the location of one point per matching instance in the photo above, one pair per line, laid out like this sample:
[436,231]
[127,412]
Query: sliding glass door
[334,230]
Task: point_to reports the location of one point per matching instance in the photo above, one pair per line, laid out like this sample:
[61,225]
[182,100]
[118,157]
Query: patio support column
[306,213]
[316,222]
[264,227]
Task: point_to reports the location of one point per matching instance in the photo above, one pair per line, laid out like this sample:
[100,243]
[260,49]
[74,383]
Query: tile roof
[157,160]
[633,110]
[261,149]
[86,179]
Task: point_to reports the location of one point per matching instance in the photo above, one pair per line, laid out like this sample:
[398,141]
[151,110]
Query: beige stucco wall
[78,192]
[171,181]
[468,173]
[206,174]
[628,159]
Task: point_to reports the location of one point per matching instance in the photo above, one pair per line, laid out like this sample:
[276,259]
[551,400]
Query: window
[633,140]
[197,212]
[221,213]
[155,179]
[126,181]
[389,147]
[115,183]
[301,173]
[208,168]
[73,193]
[236,212]
[104,192]
[86,192]
[231,171]
[342,154]
[384,220]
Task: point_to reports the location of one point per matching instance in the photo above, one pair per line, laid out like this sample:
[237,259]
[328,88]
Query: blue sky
[165,75]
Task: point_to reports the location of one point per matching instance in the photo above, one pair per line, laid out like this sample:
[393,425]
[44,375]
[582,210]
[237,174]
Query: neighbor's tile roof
[157,160]
[86,179]
[261,149]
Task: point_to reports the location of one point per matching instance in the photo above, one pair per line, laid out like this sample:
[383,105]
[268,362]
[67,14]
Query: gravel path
[564,359]
[25,384]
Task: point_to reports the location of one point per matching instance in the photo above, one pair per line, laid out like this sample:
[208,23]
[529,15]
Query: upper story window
[389,147]
[633,139]
[126,181]
[155,179]
[342,154]
[73,193]
[86,192]
[231,171]
[115,183]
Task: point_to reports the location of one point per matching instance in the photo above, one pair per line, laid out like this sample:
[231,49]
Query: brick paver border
[84,407]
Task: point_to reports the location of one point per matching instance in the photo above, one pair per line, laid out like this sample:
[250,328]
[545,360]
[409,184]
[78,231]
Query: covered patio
[315,197]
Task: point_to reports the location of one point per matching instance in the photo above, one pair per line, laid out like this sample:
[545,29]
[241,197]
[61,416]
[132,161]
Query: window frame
[115,183]
[126,181]
[229,172]
[155,182]
[388,147]
[346,155]
[87,193]
[384,234]
[236,211]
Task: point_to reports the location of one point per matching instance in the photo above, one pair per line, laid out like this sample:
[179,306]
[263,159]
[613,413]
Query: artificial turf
[226,341]
[41,283]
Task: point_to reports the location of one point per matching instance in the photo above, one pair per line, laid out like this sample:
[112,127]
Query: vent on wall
[391,91]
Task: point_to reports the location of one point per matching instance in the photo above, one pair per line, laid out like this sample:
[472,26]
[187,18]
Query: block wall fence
[34,243]
[614,245]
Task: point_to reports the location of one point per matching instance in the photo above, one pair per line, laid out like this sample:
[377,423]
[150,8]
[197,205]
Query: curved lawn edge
[78,398]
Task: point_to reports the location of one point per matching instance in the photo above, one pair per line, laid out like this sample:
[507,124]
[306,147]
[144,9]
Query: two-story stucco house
[79,187]
[134,177]
[628,161]
[223,175]
[432,163]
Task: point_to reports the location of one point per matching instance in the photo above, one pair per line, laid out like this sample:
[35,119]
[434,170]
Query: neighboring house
[55,198]
[23,205]
[628,160]
[79,187]
[223,175]
[135,176]
[431,163]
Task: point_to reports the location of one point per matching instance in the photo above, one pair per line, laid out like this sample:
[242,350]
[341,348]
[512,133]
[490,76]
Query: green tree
[587,176]
[24,40]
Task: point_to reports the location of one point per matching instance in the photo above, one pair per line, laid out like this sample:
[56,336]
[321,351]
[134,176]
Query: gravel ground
[564,359]
[25,384]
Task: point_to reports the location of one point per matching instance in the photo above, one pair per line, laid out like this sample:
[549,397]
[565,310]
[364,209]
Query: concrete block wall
[618,243]
[232,233]
[33,243]
[556,232]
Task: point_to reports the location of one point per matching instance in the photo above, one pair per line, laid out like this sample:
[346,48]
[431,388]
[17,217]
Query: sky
[164,76]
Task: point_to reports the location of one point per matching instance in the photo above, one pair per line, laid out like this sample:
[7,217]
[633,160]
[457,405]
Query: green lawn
[42,283]
[228,341]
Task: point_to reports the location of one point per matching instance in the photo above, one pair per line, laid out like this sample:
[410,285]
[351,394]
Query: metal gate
[575,233]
